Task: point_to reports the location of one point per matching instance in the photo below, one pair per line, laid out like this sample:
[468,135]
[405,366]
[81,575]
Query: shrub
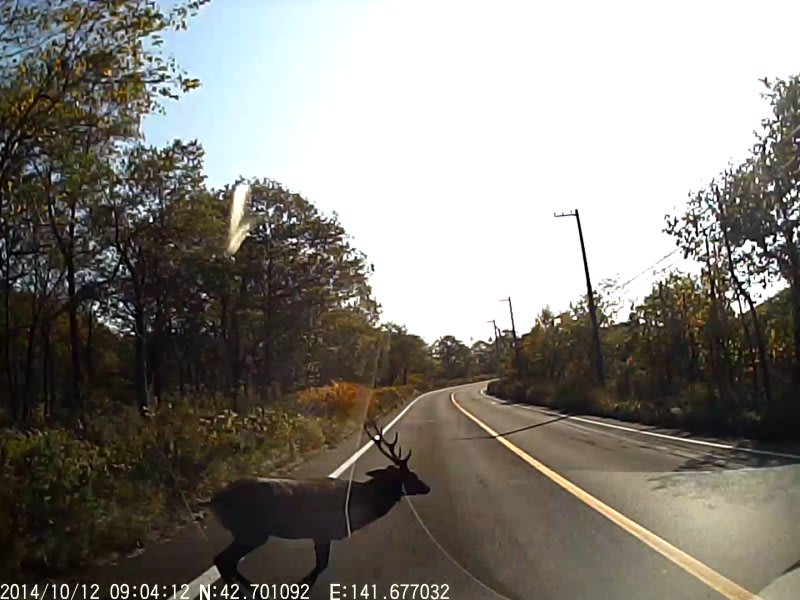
[52,489]
[574,395]
[539,392]
[70,495]
[309,435]
[387,399]
[340,400]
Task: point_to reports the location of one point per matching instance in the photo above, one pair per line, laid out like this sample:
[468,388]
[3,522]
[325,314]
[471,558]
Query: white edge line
[212,574]
[660,435]
[359,453]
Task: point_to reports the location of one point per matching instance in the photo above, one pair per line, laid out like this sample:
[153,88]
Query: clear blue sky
[445,134]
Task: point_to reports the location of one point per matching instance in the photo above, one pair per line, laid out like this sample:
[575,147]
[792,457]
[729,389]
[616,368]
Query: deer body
[254,509]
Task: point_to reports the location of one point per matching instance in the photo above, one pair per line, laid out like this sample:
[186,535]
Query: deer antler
[386,448]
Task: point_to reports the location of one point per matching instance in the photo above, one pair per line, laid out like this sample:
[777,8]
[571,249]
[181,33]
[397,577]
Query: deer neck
[372,500]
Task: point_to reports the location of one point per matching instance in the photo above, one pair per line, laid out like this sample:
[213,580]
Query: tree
[114,280]
[407,354]
[78,77]
[454,357]
[485,357]
[145,233]
[763,215]
[703,345]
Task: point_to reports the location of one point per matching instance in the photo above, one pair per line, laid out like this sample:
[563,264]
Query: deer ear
[375,472]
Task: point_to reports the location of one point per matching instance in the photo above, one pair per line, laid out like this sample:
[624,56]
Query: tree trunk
[140,368]
[156,348]
[268,316]
[235,358]
[27,395]
[743,293]
[48,384]
[714,323]
[12,396]
[183,366]
[89,350]
[76,399]
[795,303]
[235,344]
[750,352]
[223,366]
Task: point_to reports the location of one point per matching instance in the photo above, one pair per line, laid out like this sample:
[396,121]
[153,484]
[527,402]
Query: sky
[445,134]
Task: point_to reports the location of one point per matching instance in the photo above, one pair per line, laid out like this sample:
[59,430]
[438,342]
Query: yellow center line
[704,573]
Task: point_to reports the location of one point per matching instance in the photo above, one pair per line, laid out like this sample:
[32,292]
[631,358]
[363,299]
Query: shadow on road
[791,568]
[784,587]
[499,435]
[721,460]
[733,478]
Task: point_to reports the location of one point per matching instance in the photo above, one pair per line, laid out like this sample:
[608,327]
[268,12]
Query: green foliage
[70,496]
[454,357]
[78,77]
[114,279]
[141,362]
[698,353]
[672,363]
[406,355]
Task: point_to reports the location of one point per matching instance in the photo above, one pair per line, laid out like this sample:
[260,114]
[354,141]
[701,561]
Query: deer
[253,509]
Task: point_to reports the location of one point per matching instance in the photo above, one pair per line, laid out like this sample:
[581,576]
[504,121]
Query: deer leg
[228,560]
[322,550]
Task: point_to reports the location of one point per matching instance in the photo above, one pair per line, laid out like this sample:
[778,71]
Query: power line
[665,269]
[655,264]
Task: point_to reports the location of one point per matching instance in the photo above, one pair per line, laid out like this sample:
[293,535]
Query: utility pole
[496,340]
[514,335]
[592,310]
[496,331]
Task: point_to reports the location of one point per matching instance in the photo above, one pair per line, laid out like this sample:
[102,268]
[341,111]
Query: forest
[141,366]
[713,352]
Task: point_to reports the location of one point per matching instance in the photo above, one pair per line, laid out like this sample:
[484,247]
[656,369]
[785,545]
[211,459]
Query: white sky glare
[445,134]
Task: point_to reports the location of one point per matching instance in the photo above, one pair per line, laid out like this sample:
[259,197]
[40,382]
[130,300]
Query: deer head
[398,472]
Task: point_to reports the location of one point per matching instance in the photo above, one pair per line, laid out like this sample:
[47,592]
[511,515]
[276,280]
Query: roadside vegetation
[705,353]
[71,497]
[141,367]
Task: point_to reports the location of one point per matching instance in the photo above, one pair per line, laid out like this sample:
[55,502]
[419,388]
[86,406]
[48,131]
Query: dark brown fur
[254,509]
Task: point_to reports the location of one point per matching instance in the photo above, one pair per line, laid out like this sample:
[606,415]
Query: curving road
[530,504]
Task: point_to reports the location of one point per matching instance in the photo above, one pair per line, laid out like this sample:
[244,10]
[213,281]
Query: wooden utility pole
[598,354]
[514,335]
[496,332]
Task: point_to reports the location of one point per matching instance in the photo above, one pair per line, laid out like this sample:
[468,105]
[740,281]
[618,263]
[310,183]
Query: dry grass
[72,496]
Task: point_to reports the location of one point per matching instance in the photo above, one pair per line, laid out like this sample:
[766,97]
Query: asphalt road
[551,508]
